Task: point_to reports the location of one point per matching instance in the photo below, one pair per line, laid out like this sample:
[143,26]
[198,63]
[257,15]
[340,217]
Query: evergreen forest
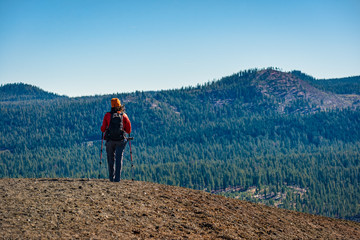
[226,136]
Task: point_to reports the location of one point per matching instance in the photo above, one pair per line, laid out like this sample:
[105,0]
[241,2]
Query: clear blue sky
[86,47]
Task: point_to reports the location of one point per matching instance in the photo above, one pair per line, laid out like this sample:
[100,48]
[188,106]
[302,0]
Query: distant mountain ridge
[345,85]
[291,92]
[23,92]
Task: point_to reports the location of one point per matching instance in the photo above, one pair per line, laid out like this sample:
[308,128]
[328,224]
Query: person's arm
[126,124]
[106,122]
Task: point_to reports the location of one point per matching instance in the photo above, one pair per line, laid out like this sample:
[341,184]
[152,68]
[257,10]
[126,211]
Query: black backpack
[115,130]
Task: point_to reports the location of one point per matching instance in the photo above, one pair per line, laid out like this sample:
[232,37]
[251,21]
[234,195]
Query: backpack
[115,130]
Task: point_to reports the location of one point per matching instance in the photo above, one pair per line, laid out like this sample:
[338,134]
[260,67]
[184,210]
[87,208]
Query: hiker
[115,125]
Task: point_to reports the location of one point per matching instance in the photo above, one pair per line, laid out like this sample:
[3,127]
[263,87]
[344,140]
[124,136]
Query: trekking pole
[101,150]
[132,165]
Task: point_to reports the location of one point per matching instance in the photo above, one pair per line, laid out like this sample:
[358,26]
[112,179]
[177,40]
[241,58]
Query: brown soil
[98,209]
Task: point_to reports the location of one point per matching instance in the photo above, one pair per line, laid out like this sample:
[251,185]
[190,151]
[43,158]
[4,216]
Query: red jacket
[126,123]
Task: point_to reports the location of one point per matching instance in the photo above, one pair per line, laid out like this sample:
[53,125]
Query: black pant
[115,152]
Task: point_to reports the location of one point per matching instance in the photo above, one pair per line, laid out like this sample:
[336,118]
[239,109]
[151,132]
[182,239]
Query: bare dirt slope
[289,89]
[98,209]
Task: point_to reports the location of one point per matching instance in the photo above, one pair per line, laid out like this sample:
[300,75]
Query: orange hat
[115,102]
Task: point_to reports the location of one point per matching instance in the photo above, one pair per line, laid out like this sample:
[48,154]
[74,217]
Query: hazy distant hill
[98,209]
[24,92]
[262,135]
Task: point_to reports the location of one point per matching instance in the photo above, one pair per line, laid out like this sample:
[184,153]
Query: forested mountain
[24,92]
[348,85]
[284,139]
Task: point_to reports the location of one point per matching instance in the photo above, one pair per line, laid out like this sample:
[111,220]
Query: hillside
[347,85]
[297,95]
[269,136]
[98,209]
[24,92]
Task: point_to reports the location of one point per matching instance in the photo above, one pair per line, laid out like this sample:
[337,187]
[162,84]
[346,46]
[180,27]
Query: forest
[210,137]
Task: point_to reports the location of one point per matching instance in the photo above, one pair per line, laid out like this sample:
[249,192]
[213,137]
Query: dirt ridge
[98,209]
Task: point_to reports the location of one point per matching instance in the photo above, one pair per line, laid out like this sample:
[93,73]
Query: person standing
[115,126]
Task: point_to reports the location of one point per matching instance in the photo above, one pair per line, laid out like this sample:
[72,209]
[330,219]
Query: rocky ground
[98,209]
